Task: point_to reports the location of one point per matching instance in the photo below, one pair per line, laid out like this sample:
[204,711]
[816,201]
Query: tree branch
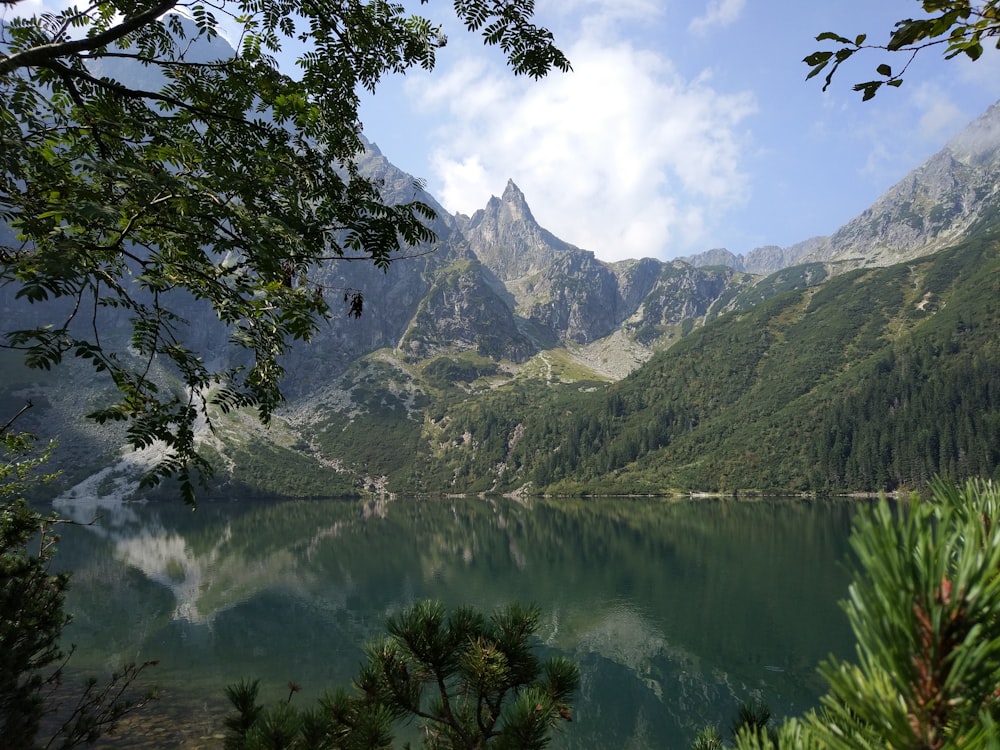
[121,90]
[145,60]
[50,52]
[6,426]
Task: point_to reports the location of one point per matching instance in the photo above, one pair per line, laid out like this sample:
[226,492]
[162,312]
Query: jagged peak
[370,146]
[514,199]
[508,238]
[512,193]
[512,205]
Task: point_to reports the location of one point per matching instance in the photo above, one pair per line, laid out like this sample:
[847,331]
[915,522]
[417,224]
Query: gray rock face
[683,292]
[760,261]
[635,280]
[765,260]
[508,240]
[577,297]
[717,256]
[925,211]
[462,312]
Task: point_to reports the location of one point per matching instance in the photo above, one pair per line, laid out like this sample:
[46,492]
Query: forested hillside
[496,357]
[875,380]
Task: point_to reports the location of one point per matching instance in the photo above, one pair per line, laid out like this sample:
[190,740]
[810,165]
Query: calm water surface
[675,611]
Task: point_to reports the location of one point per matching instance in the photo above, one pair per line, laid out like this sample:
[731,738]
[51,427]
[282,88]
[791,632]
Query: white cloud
[718,13]
[623,156]
[939,116]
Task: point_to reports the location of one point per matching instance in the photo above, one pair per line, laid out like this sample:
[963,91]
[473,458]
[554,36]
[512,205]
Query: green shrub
[925,609]
[472,682]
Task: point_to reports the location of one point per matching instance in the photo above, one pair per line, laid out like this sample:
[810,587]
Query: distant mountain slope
[486,359]
[761,261]
[875,380]
[929,209]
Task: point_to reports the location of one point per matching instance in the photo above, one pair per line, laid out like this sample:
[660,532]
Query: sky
[685,125]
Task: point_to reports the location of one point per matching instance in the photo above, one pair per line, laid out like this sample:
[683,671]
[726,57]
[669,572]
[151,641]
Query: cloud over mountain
[675,155]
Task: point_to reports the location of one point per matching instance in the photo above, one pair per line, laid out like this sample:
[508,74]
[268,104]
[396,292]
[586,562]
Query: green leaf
[829,36]
[909,32]
[817,58]
[868,88]
[974,51]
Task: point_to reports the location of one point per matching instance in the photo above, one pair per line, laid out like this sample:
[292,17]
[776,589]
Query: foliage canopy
[147,174]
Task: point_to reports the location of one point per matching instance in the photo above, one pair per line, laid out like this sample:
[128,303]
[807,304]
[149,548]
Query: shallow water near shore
[676,611]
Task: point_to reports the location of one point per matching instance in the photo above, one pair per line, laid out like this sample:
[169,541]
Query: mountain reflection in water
[676,611]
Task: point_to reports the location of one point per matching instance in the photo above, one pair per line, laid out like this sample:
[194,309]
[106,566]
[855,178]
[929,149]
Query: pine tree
[925,609]
[470,681]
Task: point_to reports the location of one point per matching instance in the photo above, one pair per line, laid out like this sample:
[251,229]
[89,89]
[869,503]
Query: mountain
[508,240]
[501,358]
[872,379]
[929,209]
[877,379]
[761,261]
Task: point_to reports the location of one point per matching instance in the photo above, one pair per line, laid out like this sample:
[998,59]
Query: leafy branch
[222,187]
[962,26]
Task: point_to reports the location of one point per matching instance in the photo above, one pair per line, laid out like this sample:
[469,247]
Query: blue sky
[685,125]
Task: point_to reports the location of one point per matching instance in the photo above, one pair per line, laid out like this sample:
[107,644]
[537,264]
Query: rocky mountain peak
[927,209]
[717,256]
[511,207]
[924,212]
[512,194]
[508,240]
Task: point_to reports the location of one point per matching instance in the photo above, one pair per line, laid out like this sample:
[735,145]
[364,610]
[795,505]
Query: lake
[675,611]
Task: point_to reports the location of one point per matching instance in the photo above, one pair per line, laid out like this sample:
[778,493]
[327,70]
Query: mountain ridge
[932,206]
[497,315]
